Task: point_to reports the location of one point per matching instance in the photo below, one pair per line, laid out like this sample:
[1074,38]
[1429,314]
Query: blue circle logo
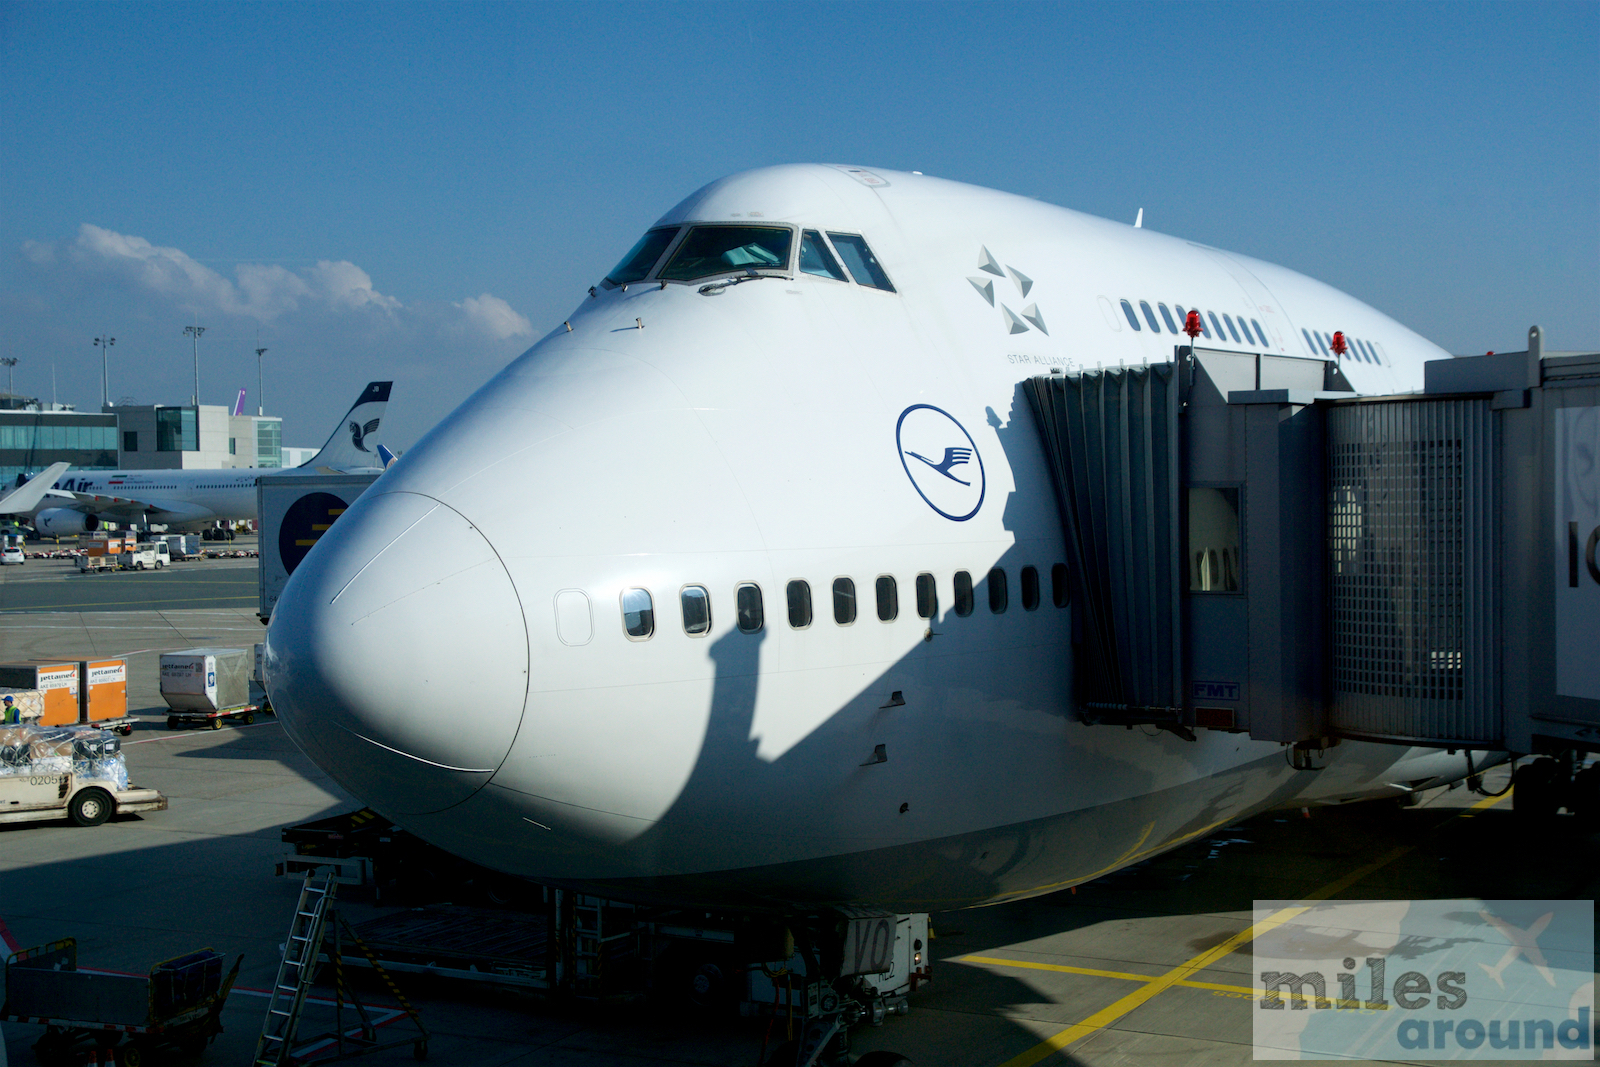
[942,461]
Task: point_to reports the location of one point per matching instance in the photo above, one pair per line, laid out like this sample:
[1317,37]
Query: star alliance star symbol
[984,284]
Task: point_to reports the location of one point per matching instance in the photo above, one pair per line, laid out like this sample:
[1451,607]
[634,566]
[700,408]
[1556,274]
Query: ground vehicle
[179,1004]
[146,555]
[47,773]
[12,554]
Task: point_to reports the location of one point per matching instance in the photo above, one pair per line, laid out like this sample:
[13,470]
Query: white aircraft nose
[397,657]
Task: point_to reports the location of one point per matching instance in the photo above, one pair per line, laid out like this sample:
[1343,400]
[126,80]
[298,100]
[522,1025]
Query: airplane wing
[120,508]
[26,497]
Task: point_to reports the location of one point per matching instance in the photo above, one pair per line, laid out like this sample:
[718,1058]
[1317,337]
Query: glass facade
[32,440]
[269,443]
[176,430]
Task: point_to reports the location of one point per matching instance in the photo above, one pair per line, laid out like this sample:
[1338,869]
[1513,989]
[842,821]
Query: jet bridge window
[844,601]
[1030,588]
[888,598]
[642,257]
[927,596]
[1214,540]
[747,608]
[799,604]
[638,614]
[852,248]
[1149,316]
[696,603]
[709,250]
[1133,320]
[963,594]
[816,259]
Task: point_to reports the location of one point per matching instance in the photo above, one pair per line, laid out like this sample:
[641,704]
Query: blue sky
[419,191]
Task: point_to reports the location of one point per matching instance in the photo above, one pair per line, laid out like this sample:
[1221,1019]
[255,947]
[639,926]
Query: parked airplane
[191,499]
[753,595]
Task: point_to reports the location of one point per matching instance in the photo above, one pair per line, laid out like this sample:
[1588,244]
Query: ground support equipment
[245,713]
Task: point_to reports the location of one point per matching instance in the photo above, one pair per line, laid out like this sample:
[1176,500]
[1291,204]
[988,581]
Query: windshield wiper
[750,274]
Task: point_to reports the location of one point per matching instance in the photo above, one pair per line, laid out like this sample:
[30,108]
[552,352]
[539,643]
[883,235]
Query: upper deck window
[852,248]
[1150,316]
[816,259]
[1166,317]
[709,250]
[1133,320]
[1229,320]
[1261,333]
[642,257]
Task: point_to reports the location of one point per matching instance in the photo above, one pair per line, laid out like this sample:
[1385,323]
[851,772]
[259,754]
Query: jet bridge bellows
[1256,548]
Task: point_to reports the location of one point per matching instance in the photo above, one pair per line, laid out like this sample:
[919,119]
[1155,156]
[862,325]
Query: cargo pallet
[245,714]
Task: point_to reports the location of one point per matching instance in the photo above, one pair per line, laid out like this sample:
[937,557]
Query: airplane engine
[64,522]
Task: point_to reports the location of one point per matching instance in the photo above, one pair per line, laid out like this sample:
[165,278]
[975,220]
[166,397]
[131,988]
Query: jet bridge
[1256,548]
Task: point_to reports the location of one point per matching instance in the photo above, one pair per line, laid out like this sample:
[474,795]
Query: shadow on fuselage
[860,824]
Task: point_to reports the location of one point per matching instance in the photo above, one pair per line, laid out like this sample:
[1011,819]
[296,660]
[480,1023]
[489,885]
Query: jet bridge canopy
[1256,548]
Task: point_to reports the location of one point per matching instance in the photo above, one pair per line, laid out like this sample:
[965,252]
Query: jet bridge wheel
[1538,788]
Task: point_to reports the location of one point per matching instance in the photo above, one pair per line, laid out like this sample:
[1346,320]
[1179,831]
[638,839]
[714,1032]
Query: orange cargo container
[58,680]
[102,689]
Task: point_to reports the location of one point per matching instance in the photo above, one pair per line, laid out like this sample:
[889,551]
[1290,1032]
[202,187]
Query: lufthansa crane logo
[942,461]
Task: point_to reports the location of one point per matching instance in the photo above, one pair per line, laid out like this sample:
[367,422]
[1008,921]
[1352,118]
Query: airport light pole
[195,332]
[10,364]
[105,341]
[261,399]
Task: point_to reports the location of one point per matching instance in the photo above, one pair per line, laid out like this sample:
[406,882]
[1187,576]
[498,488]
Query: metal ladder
[295,973]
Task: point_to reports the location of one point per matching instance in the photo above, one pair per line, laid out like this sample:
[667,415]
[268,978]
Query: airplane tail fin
[386,456]
[355,440]
[26,497]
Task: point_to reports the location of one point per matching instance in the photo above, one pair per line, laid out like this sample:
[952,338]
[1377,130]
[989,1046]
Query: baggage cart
[178,1005]
[244,713]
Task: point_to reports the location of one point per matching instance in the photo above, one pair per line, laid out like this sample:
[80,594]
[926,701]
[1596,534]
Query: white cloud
[263,292]
[495,317]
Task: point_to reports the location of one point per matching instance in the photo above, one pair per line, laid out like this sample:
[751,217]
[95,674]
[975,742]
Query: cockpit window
[816,259]
[709,250]
[859,258]
[637,263]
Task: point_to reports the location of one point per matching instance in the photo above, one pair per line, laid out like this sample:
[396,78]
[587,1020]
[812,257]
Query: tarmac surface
[1144,966]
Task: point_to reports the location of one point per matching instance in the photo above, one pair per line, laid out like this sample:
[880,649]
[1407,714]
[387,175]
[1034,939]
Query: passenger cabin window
[1229,320]
[638,614]
[844,601]
[642,257]
[1060,591]
[799,604]
[696,603]
[999,596]
[963,594]
[816,259]
[1149,316]
[1221,336]
[1260,333]
[1133,320]
[747,608]
[1166,316]
[709,250]
[858,257]
[888,598]
[1030,588]
[1310,344]
[927,596]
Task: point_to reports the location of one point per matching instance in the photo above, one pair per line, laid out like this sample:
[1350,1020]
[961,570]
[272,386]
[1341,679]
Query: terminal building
[143,437]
